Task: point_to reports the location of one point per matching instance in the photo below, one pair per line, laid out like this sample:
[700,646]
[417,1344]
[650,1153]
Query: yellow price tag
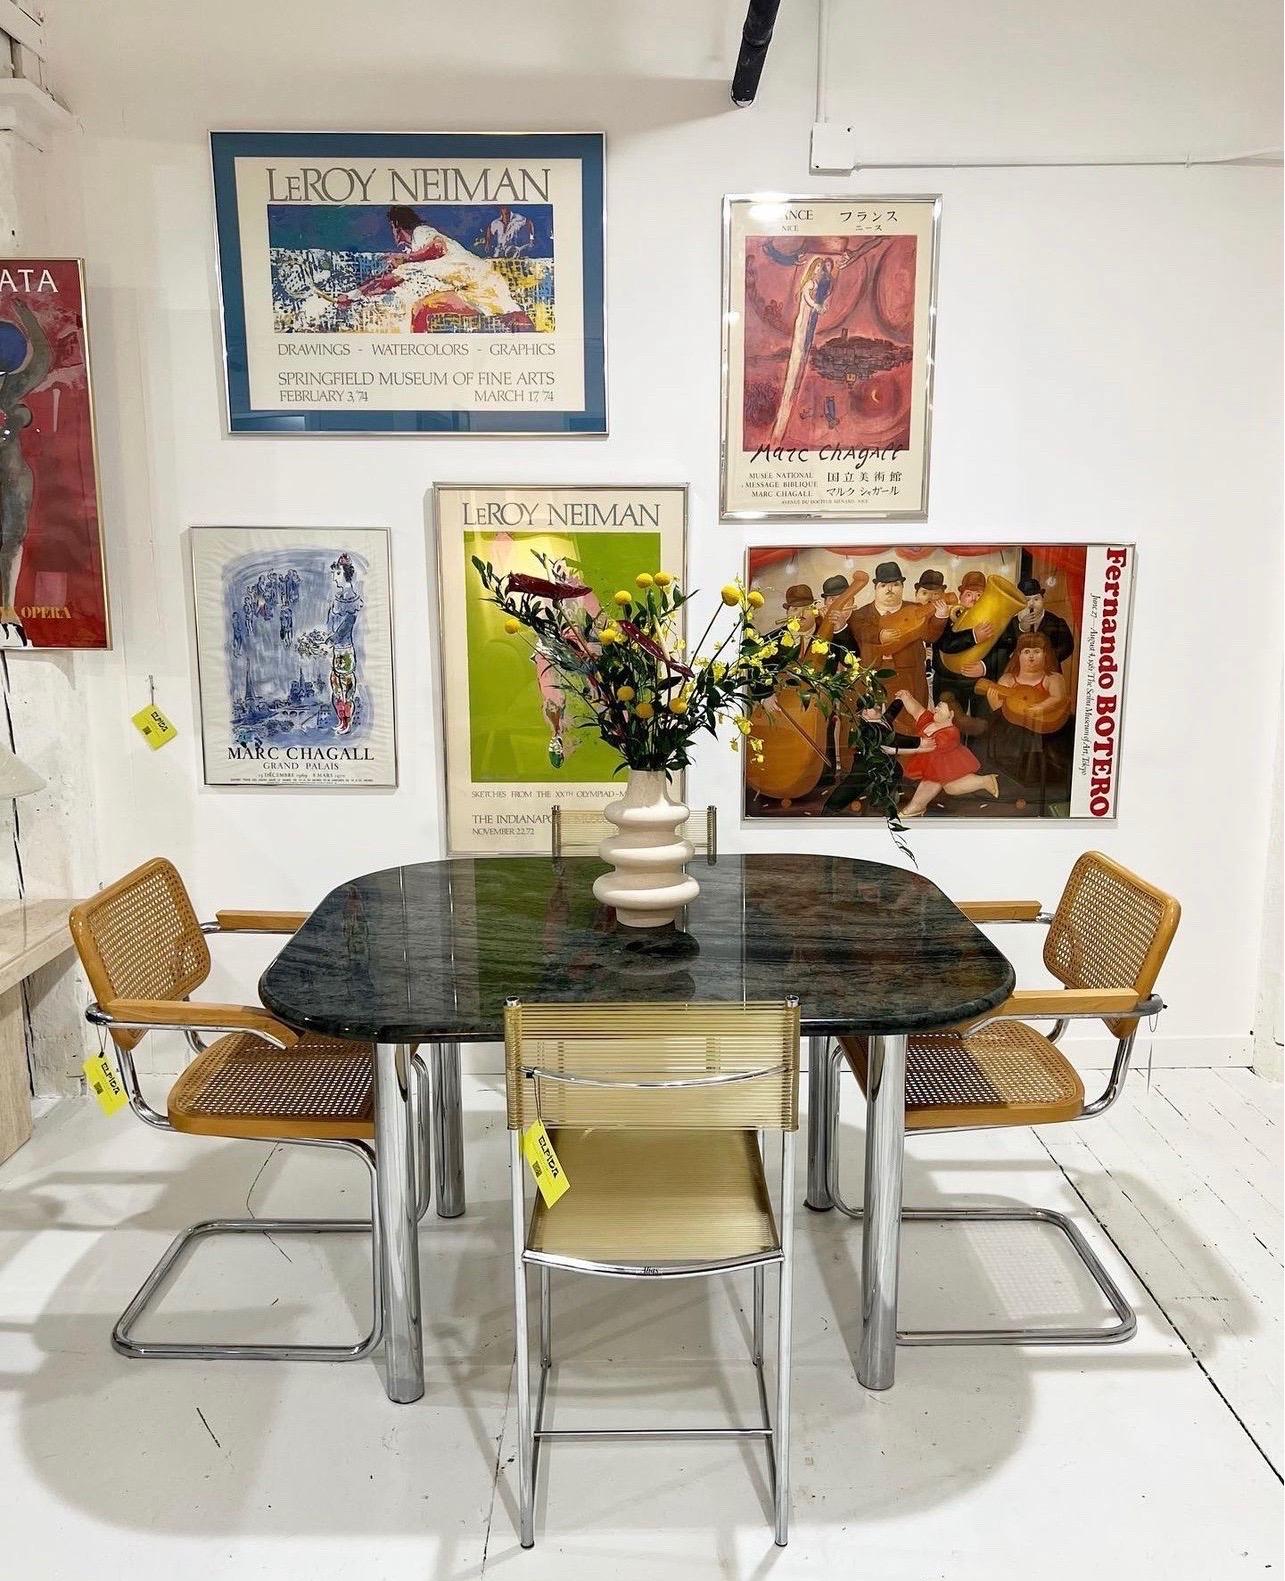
[153,726]
[547,1168]
[105,1084]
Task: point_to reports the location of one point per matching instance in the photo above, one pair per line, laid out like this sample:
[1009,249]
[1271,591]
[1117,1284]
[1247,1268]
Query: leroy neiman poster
[512,748]
[52,588]
[1004,669]
[828,315]
[294,648]
[422,283]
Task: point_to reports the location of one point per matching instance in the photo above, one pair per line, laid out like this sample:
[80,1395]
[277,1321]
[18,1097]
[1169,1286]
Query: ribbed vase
[647,885]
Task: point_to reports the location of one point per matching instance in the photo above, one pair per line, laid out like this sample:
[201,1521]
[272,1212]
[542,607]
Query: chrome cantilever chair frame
[123,1340]
[1126,1322]
[774,1430]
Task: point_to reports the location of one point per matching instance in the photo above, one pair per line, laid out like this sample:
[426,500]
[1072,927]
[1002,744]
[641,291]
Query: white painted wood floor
[1158,1459]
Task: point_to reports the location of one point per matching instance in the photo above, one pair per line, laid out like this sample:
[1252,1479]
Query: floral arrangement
[627,673]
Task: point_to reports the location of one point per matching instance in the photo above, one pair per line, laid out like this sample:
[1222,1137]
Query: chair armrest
[1039,1003]
[1000,910]
[178,1015]
[259,921]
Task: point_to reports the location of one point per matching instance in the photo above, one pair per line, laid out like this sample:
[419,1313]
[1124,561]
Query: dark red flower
[555,592]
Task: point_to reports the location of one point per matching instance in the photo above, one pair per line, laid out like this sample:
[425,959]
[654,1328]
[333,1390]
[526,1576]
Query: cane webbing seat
[1004,1074]
[655,1197]
[320,1089]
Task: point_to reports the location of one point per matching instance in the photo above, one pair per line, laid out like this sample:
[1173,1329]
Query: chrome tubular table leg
[819,1078]
[881,1243]
[395,1207]
[448,1131]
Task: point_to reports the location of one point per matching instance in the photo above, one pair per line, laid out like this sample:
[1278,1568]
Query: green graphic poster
[512,750]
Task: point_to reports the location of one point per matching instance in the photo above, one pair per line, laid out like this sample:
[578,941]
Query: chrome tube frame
[819,1078]
[157,1350]
[1125,1325]
[881,1242]
[447,1126]
[395,1209]
[532,1432]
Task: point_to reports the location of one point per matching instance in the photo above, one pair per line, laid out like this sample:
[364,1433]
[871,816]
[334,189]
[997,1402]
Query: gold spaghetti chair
[655,1113]
[145,952]
[1106,943]
[581,830]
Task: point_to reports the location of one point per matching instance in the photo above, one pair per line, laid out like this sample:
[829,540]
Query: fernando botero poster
[294,648]
[412,282]
[1003,665]
[512,750]
[52,588]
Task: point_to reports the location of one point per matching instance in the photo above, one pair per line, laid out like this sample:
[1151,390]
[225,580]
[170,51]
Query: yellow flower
[793,625]
[608,635]
[755,599]
[786,639]
[512,625]
[644,710]
[820,647]
[757,743]
[678,705]
[743,725]
[663,579]
[731,595]
[626,694]
[622,598]
[735,745]
[718,669]
[644,579]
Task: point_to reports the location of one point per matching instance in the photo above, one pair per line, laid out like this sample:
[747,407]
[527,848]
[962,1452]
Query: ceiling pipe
[756,35]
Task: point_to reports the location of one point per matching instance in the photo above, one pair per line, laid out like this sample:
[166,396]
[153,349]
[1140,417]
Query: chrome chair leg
[784,1347]
[154,1350]
[1125,1326]
[758,1316]
[546,1319]
[526,1437]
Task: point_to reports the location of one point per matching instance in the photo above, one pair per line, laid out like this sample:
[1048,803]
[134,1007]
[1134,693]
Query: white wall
[1108,367]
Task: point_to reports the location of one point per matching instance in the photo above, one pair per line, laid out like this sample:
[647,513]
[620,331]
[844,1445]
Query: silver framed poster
[1004,667]
[829,310]
[294,652]
[512,747]
[412,282]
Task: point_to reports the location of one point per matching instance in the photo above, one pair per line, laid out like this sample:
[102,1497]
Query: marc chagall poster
[828,318]
[1004,669]
[52,588]
[418,283]
[295,654]
[512,749]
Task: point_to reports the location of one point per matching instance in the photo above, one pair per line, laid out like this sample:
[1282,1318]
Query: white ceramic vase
[647,885]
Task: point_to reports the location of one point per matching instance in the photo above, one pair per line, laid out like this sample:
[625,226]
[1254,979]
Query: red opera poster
[52,588]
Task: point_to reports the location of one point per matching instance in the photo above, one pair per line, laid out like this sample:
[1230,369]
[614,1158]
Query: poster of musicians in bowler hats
[1003,667]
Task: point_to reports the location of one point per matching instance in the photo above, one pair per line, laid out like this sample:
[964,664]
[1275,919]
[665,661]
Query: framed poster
[1004,667]
[53,590]
[512,751]
[829,308]
[294,650]
[412,282]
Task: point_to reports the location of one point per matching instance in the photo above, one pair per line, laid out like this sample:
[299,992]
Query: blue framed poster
[412,282]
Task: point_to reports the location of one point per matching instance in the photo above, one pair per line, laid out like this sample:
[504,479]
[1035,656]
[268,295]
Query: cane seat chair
[581,830]
[145,952]
[1106,943]
[655,1114]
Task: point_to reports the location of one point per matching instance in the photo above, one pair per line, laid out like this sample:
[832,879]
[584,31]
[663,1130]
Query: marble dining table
[428,953]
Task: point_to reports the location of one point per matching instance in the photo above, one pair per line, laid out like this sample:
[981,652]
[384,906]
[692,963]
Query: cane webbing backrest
[617,1044]
[1111,930]
[140,939]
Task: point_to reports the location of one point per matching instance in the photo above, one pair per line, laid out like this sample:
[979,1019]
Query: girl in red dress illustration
[941,762]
